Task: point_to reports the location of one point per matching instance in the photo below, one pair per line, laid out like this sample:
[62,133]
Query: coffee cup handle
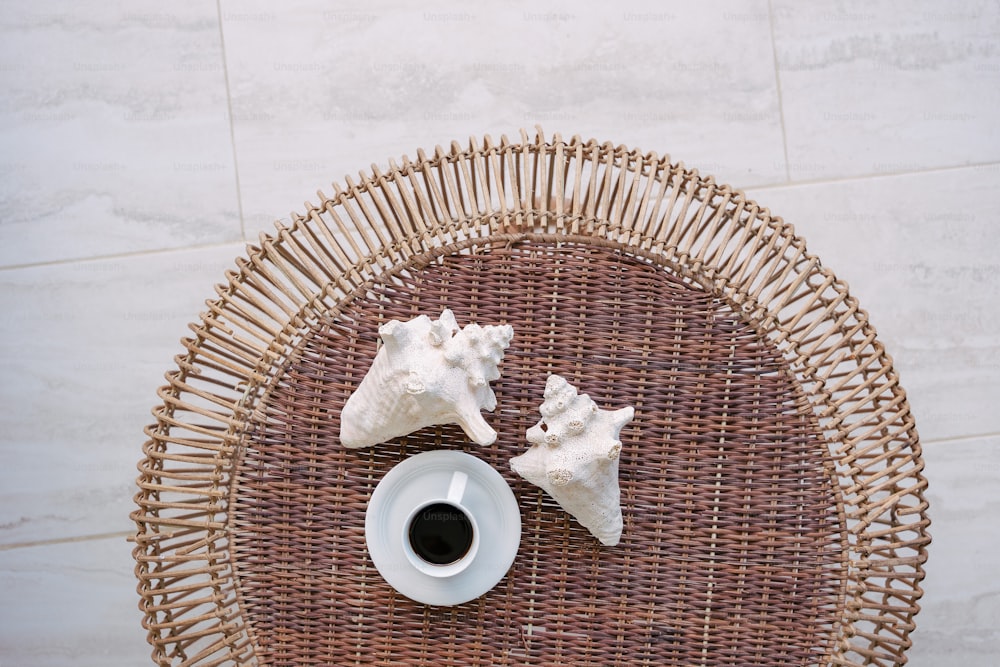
[456,488]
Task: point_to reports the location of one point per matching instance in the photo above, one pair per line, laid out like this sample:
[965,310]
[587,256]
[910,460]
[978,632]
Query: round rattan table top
[771,479]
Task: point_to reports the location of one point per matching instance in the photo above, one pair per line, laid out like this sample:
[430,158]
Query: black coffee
[440,534]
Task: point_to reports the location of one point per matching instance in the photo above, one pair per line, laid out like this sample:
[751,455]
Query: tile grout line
[121,255]
[777,82]
[232,128]
[124,534]
[871,176]
[958,439]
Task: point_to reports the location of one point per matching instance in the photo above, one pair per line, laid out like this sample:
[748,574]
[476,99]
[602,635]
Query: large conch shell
[574,458]
[427,373]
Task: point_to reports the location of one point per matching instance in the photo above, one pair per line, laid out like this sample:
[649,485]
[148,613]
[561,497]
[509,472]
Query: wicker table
[771,479]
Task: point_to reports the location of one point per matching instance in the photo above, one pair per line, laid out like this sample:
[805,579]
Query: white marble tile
[919,253]
[870,88]
[71,604]
[319,93]
[114,130]
[84,348]
[959,621]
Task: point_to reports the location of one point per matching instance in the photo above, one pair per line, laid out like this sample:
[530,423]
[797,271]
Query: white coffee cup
[442,527]
[441,536]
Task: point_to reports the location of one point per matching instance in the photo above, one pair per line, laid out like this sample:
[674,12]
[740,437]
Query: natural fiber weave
[771,479]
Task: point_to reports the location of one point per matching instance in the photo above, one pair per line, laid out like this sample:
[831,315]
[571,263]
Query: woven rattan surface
[771,480]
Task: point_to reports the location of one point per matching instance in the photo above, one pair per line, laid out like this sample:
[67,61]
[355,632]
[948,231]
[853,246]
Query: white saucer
[426,477]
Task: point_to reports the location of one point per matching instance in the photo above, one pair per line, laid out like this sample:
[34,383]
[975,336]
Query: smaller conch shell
[574,458]
[427,372]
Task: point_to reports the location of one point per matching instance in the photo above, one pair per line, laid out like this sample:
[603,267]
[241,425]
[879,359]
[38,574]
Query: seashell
[427,372]
[574,457]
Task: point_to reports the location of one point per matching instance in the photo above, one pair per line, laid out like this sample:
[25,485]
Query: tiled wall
[142,143]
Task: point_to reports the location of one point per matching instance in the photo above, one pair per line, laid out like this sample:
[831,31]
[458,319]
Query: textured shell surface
[426,373]
[574,457]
